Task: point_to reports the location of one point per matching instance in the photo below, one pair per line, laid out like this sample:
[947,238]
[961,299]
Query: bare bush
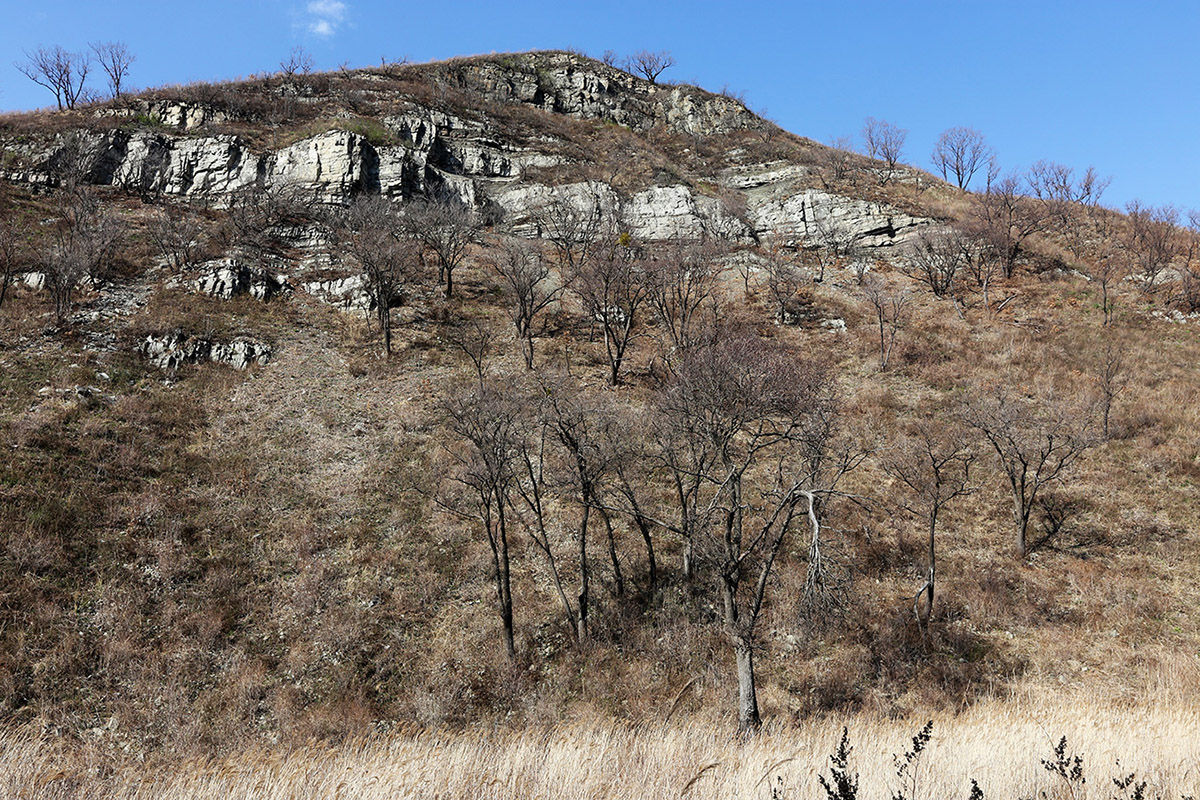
[1152,241]
[935,257]
[176,234]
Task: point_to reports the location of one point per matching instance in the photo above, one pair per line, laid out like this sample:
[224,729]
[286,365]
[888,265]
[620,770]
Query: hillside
[229,518]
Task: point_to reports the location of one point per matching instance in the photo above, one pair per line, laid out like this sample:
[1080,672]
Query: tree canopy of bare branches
[62,72]
[487,425]
[613,287]
[650,64]
[115,59]
[959,153]
[933,463]
[683,288]
[447,228]
[369,232]
[885,142]
[526,273]
[1035,444]
[891,305]
[935,258]
[1152,241]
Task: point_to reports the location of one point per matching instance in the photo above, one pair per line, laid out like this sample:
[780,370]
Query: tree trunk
[618,578]
[584,577]
[506,609]
[748,717]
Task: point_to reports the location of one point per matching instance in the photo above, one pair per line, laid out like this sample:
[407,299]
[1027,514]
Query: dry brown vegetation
[206,561]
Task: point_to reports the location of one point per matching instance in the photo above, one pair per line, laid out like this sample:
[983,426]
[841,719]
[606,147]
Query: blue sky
[1109,84]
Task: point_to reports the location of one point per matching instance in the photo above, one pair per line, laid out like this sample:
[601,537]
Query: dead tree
[934,466]
[741,410]
[1036,443]
[532,290]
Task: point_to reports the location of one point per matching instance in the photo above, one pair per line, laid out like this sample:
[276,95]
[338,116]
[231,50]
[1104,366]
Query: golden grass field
[999,744]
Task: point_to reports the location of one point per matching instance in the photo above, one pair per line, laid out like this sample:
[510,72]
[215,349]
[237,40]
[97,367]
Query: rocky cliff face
[485,164]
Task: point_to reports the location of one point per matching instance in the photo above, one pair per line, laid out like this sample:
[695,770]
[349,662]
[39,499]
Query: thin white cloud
[325,17]
[321,28]
[331,9]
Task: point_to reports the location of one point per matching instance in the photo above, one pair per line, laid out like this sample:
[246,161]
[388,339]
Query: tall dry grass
[1000,744]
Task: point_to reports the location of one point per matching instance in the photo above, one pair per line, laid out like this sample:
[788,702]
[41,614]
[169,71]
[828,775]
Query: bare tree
[650,64]
[1152,241]
[370,234]
[447,228]
[1035,444]
[1109,267]
[891,312]
[743,412]
[486,423]
[934,464]
[298,61]
[935,258]
[961,152]
[576,423]
[11,254]
[683,288]
[1112,378]
[176,234]
[838,159]
[115,59]
[84,241]
[784,281]
[613,287]
[525,271]
[1004,217]
[572,228]
[62,72]
[885,142]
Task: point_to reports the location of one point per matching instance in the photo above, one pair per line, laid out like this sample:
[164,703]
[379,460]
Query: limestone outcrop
[174,350]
